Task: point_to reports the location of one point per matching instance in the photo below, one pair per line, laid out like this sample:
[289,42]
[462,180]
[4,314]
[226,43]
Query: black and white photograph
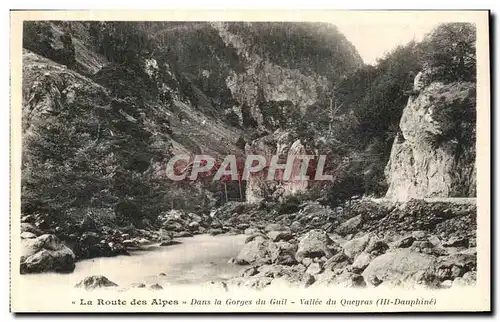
[256,165]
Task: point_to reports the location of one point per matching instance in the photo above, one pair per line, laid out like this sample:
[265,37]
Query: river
[195,260]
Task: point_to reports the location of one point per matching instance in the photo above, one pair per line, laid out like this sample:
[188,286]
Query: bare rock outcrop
[434,154]
[45,253]
[280,143]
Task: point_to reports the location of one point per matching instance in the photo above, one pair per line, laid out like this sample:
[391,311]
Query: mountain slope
[156,89]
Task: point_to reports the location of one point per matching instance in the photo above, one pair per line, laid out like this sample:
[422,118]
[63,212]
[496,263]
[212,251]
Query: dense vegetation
[41,38]
[354,124]
[309,47]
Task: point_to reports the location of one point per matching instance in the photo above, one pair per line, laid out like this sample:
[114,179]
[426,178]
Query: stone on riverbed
[252,231]
[283,253]
[183,234]
[456,265]
[156,286]
[314,269]
[361,262]
[468,279]
[296,226]
[96,281]
[404,242]
[256,236]
[307,280]
[215,231]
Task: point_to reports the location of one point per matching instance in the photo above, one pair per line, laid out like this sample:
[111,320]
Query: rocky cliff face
[263,81]
[279,143]
[434,156]
[259,72]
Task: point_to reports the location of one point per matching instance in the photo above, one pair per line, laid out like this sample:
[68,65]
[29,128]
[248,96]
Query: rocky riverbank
[418,243]
[368,243]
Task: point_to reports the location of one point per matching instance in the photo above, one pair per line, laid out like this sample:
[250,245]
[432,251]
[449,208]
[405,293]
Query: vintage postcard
[250,161]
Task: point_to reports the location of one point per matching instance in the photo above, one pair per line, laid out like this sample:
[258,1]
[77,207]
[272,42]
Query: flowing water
[196,260]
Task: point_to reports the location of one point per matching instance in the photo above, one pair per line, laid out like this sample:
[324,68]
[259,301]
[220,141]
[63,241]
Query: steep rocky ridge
[427,160]
[232,67]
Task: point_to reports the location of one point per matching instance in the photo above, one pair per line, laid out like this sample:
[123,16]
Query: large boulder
[283,253]
[350,226]
[404,242]
[173,226]
[296,226]
[361,262]
[277,236]
[46,253]
[256,236]
[456,265]
[455,241]
[355,246]
[27,235]
[376,247]
[400,265]
[467,279]
[314,269]
[194,226]
[337,261]
[256,251]
[30,228]
[316,243]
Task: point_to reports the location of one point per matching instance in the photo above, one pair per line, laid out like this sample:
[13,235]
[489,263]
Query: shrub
[290,204]
[233,119]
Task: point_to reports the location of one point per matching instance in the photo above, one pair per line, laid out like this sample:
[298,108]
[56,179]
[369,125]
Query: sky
[374,41]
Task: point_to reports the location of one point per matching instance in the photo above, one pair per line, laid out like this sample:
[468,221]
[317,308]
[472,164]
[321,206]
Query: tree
[248,120]
[37,37]
[233,119]
[451,50]
[67,53]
